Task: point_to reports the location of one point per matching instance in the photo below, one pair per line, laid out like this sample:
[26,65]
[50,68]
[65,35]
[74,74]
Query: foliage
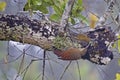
[119,43]
[117,76]
[2,6]
[116,44]
[93,19]
[58,6]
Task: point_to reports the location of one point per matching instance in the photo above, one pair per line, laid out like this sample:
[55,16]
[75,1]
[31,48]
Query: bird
[70,53]
[82,37]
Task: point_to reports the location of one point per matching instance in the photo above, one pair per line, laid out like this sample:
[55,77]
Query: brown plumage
[70,53]
[82,37]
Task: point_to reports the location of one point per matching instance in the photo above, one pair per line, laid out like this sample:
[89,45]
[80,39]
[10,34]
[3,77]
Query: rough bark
[31,31]
[25,30]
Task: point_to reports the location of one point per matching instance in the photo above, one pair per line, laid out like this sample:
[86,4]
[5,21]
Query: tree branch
[31,31]
[66,14]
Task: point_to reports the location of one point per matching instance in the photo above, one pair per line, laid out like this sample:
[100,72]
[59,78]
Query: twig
[21,64]
[65,70]
[66,14]
[78,70]
[51,68]
[26,69]
[109,10]
[43,65]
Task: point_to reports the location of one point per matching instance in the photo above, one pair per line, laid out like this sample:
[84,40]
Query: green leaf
[118,43]
[72,20]
[55,17]
[58,6]
[119,62]
[47,0]
[2,6]
[57,10]
[83,18]
[38,3]
[117,76]
[80,2]
[42,9]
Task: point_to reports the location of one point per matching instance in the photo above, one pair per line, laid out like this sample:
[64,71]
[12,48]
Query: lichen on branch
[31,31]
